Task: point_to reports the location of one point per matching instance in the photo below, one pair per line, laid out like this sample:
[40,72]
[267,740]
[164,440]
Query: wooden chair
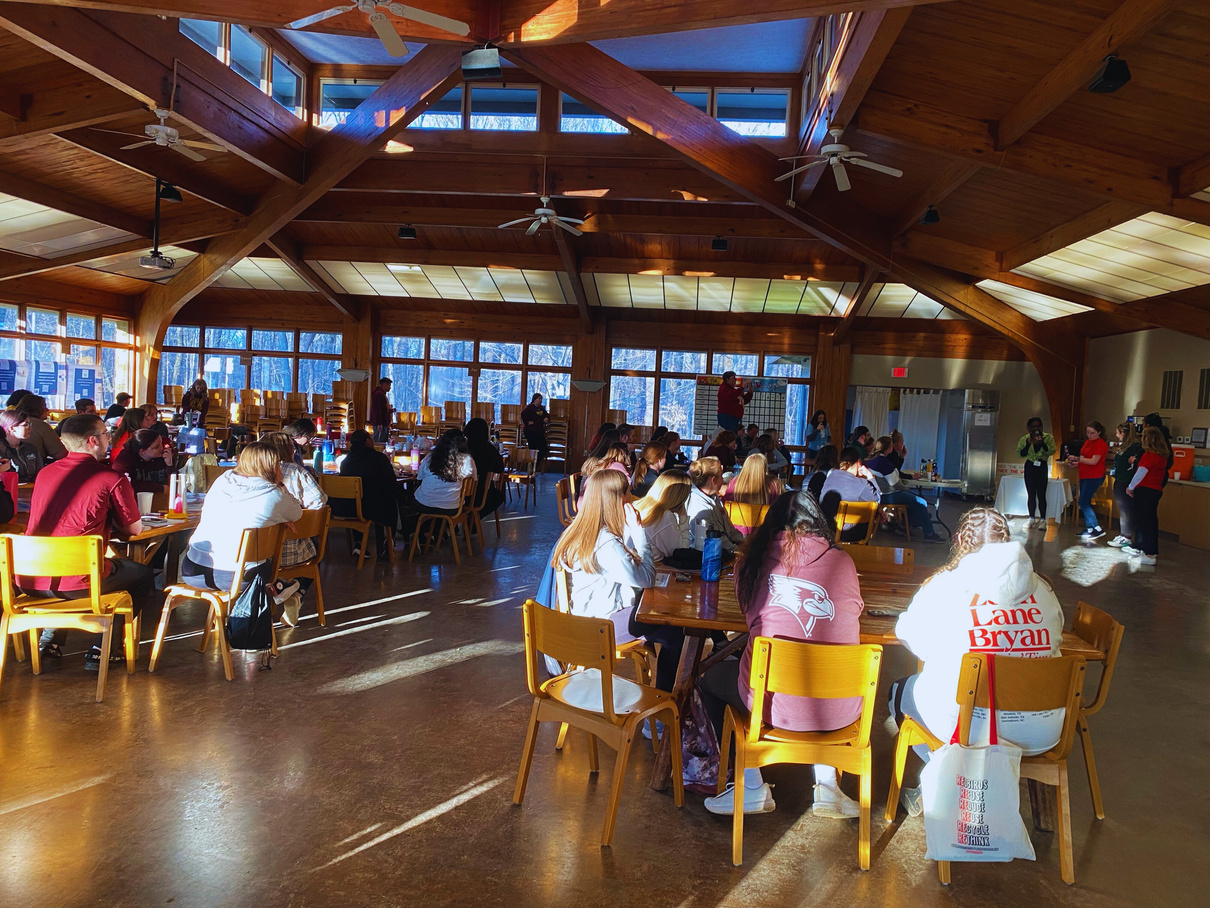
[594,699]
[878,559]
[563,496]
[451,522]
[61,556]
[1098,629]
[256,545]
[857,512]
[510,414]
[173,395]
[485,410]
[522,472]
[349,487]
[312,524]
[405,420]
[900,515]
[617,417]
[213,472]
[746,515]
[492,480]
[559,408]
[455,411]
[430,416]
[1021,684]
[797,669]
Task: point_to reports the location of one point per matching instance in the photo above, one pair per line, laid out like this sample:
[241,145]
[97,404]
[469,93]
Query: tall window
[248,55]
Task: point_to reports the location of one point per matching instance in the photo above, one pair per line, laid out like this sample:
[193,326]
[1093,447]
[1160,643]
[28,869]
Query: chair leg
[365,544]
[18,646]
[863,840]
[221,642]
[724,750]
[35,653]
[678,770]
[4,642]
[943,872]
[496,514]
[619,779]
[160,631]
[132,642]
[1066,864]
[454,541]
[1090,764]
[897,768]
[562,739]
[206,629]
[319,599]
[594,761]
[737,811]
[103,665]
[415,539]
[527,754]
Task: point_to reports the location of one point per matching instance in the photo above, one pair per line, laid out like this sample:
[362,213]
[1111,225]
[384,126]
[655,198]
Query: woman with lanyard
[1037,447]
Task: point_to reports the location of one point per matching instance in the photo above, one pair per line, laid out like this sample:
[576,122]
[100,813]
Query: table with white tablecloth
[1013,500]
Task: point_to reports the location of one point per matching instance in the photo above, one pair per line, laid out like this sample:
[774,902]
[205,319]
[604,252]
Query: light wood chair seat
[312,524]
[449,522]
[858,512]
[349,488]
[879,559]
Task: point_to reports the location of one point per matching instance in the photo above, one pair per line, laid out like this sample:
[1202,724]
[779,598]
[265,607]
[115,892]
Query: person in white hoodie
[609,562]
[662,511]
[987,598]
[248,497]
[706,474]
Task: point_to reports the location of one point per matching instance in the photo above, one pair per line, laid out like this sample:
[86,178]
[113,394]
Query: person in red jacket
[732,396]
[1146,488]
[380,410]
[1091,461]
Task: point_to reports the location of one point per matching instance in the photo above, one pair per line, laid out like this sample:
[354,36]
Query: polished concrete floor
[374,765]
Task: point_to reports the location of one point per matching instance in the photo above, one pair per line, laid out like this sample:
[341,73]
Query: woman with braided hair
[986,598]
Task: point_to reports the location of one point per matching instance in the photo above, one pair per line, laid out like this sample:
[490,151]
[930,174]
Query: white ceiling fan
[166,137]
[836,156]
[382,25]
[544,214]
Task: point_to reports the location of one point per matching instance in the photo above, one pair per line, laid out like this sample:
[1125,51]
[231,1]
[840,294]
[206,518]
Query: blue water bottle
[712,557]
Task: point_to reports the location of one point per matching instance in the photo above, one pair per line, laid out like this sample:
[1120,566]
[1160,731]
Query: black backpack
[250,618]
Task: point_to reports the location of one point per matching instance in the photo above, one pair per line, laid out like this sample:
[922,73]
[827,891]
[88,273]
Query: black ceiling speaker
[169,193]
[407,233]
[718,244]
[930,217]
[1113,74]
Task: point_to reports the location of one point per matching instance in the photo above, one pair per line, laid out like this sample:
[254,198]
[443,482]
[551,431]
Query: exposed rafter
[44,100]
[73,203]
[859,297]
[287,249]
[1103,217]
[571,267]
[950,180]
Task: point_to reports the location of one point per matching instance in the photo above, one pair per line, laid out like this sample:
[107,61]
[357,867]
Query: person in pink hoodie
[793,583]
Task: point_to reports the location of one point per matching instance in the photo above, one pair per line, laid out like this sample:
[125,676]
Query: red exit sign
[898,371]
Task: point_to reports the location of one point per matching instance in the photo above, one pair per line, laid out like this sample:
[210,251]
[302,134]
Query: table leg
[1043,804]
[686,672]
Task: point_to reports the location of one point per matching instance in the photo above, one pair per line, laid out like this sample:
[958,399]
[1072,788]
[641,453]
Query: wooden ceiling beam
[29,112]
[146,57]
[74,204]
[530,22]
[1128,23]
[794,271]
[1103,217]
[867,44]
[290,253]
[855,304]
[39,290]
[1192,177]
[949,181]
[571,267]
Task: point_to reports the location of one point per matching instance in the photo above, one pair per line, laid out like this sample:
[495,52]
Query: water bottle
[697,533]
[712,557]
[317,461]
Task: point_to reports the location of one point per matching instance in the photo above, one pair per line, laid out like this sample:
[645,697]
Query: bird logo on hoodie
[802,599]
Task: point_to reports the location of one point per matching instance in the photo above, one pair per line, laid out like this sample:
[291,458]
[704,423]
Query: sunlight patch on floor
[30,800]
[419,665]
[401,619]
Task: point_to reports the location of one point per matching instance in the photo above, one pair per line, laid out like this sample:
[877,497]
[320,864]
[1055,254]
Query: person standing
[733,395]
[1091,464]
[1153,419]
[1130,449]
[1147,488]
[1037,447]
[819,433]
[196,400]
[534,420]
[380,410]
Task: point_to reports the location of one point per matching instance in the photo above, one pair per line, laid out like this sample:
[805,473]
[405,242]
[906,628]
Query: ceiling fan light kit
[164,136]
[544,214]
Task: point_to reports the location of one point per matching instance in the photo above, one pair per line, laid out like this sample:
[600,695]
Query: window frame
[271,52]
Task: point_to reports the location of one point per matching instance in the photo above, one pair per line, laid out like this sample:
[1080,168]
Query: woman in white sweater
[248,497]
[608,561]
[662,511]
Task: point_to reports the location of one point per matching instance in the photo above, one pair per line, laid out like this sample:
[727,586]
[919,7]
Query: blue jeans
[1088,488]
[728,422]
[917,510]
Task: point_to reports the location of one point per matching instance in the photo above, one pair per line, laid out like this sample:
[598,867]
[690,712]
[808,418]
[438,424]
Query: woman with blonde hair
[651,461]
[608,560]
[1146,489]
[1125,460]
[705,503]
[753,486]
[662,511]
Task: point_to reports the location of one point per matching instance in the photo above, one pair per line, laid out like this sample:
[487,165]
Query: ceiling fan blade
[559,222]
[208,146]
[114,132]
[319,17]
[425,18]
[387,35]
[136,145]
[881,168]
[192,155]
[570,220]
[848,155]
[796,170]
[842,176]
[514,223]
[533,228]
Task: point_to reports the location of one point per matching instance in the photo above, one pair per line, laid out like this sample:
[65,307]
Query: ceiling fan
[836,156]
[166,137]
[544,214]
[382,25]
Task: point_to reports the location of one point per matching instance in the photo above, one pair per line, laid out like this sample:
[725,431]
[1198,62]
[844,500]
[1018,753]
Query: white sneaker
[912,800]
[834,804]
[1132,551]
[290,610]
[645,728]
[1148,559]
[756,800]
[1118,541]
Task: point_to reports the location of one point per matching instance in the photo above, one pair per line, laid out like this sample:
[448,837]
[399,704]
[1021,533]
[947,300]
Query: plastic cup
[145,499]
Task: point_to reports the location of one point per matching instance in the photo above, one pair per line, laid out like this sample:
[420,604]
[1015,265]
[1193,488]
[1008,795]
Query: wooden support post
[830,380]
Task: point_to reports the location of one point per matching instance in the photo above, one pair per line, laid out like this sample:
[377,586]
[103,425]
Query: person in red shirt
[380,410]
[81,496]
[1146,488]
[732,396]
[1091,461]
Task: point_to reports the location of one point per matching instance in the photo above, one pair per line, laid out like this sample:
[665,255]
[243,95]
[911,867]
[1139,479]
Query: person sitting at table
[195,400]
[766,444]
[8,506]
[862,438]
[724,449]
[16,447]
[83,405]
[663,513]
[886,475]
[626,437]
[706,474]
[753,486]
[146,462]
[792,583]
[985,598]
[651,461]
[153,422]
[15,398]
[676,457]
[81,496]
[850,481]
[745,442]
[487,460]
[41,436]
[245,498]
[301,431]
[605,440]
[304,487]
[115,410]
[658,433]
[779,445]
[133,420]
[609,560]
[827,459]
[379,499]
[898,452]
[600,433]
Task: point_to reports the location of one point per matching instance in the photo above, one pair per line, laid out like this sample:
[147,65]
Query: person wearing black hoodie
[378,500]
[487,461]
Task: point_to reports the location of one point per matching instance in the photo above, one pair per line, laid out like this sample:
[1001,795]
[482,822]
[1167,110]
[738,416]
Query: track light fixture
[1113,74]
[407,232]
[169,193]
[930,217]
[718,244]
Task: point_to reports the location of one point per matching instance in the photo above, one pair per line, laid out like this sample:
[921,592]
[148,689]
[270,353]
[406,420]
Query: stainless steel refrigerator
[966,448]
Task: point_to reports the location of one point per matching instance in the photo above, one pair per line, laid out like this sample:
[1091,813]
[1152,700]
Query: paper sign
[983,419]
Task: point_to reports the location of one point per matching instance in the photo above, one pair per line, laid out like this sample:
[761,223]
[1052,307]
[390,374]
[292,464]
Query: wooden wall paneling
[357,352]
[590,358]
[39,290]
[36,109]
[270,309]
[1193,177]
[830,378]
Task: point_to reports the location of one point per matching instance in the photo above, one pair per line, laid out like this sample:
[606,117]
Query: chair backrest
[430,415]
[572,640]
[563,495]
[617,417]
[522,460]
[213,472]
[871,559]
[455,409]
[467,501]
[1101,630]
[313,523]
[343,487]
[485,410]
[173,395]
[50,556]
[558,408]
[256,545]
[743,514]
[1028,685]
[484,484]
[406,419]
[821,670]
[857,512]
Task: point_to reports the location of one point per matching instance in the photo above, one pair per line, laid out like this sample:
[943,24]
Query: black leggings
[671,640]
[1036,480]
[1125,508]
[1146,519]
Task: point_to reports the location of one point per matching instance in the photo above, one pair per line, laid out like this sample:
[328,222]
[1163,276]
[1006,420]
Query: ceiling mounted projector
[157,261]
[481,64]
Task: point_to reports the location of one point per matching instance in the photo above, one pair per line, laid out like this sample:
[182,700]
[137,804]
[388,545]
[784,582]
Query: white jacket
[992,602]
[236,503]
[701,506]
[671,532]
[617,580]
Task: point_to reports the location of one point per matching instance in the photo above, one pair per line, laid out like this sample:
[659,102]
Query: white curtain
[873,410]
[919,416]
